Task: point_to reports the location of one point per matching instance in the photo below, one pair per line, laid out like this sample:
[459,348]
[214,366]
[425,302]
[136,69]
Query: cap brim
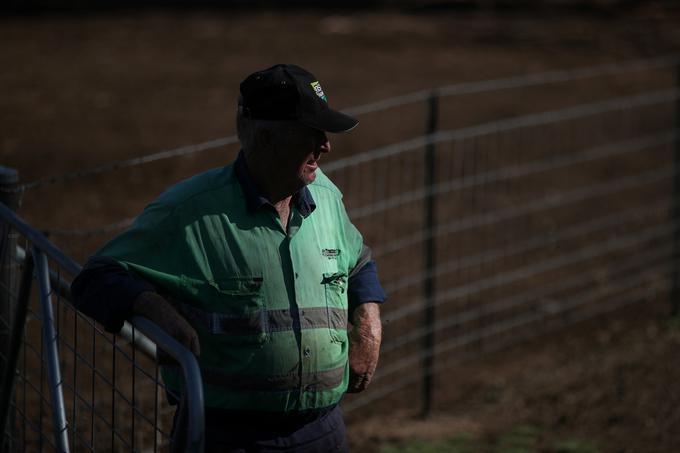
[331,121]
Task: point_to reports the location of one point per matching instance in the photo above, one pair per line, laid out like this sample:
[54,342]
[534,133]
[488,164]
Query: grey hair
[252,131]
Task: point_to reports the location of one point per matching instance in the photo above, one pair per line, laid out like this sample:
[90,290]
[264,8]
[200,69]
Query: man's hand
[158,310]
[364,346]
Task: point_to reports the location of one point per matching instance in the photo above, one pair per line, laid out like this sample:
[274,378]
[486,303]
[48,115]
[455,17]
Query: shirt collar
[302,199]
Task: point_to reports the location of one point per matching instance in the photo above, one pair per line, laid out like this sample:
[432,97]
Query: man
[257,269]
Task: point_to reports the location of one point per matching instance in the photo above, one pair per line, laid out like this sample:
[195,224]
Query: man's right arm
[105,291]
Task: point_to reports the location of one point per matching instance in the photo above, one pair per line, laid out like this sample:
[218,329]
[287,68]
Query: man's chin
[310,177]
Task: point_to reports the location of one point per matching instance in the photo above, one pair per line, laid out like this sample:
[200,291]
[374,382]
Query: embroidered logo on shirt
[318,90]
[331,254]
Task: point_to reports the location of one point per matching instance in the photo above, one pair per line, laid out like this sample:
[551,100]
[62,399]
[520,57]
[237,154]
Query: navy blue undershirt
[105,291]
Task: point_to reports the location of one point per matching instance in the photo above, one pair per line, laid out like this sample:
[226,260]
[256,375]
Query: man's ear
[266,139]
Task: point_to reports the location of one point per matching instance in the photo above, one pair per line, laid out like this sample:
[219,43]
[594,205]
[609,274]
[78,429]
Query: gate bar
[50,341]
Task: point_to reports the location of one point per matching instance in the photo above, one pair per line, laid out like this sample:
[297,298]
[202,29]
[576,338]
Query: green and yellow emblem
[318,90]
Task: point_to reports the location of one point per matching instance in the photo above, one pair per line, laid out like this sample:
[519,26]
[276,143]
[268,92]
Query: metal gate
[66,384]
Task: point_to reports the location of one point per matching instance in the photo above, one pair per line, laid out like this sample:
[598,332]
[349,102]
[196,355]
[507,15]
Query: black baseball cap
[286,92]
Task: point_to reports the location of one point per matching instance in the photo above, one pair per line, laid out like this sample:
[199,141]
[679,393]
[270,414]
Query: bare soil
[611,383]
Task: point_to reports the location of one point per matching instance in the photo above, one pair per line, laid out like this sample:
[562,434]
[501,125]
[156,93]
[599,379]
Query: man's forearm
[108,293]
[366,322]
[364,349]
[105,291]
[158,310]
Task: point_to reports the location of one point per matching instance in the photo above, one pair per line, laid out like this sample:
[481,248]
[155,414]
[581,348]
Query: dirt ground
[79,91]
[611,384]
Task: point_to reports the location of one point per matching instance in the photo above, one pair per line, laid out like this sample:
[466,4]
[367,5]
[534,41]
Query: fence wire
[529,80]
[417,144]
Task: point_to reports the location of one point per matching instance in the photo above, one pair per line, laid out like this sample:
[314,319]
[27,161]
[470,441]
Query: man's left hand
[364,346]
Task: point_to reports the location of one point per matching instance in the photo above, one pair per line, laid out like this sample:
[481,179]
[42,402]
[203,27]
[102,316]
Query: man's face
[299,157]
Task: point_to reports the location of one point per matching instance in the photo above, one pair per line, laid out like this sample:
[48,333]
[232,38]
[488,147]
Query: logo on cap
[318,90]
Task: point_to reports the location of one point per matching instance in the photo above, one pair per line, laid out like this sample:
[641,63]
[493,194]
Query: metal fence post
[19,323]
[675,210]
[9,195]
[429,256]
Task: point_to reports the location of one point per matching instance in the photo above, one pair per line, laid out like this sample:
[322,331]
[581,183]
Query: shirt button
[296,275]
[307,352]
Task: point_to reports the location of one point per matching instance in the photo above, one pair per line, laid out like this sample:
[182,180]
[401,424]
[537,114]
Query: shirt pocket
[335,289]
[230,308]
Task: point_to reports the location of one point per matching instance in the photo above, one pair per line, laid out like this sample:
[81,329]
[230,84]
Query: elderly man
[258,270]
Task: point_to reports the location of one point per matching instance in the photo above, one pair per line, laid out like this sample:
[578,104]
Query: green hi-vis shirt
[269,305]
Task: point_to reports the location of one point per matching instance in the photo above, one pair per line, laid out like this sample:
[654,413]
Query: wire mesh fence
[486,230]
[537,221]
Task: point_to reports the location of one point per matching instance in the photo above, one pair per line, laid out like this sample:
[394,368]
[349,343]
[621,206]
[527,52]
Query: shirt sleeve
[364,286]
[105,291]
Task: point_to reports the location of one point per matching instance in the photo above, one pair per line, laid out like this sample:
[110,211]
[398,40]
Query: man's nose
[325,145]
